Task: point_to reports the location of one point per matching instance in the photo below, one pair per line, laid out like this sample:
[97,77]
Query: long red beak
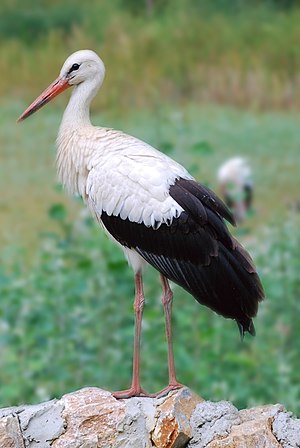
[58,86]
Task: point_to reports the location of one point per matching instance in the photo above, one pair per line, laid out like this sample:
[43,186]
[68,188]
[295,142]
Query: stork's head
[83,66]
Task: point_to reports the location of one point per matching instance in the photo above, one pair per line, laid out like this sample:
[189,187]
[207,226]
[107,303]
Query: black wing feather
[197,251]
[205,195]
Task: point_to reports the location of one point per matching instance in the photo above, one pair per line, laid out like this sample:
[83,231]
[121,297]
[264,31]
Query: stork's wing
[133,182]
[197,252]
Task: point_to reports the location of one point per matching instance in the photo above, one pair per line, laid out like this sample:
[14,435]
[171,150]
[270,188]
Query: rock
[93,418]
[221,425]
[255,428]
[173,428]
[287,430]
[41,423]
[99,420]
[35,426]
[211,420]
[135,429]
[10,433]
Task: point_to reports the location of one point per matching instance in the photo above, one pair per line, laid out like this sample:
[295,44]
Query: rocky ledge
[93,418]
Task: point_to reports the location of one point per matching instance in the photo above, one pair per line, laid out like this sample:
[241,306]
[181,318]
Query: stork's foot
[129,393]
[166,390]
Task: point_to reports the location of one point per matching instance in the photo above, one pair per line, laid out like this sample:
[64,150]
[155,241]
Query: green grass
[66,316]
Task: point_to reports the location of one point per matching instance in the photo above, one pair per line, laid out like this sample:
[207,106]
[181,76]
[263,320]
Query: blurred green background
[202,81]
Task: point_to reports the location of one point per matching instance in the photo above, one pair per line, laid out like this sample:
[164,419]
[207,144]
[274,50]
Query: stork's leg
[135,389]
[167,299]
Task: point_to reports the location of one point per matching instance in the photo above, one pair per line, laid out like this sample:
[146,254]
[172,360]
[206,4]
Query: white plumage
[144,173]
[85,166]
[153,209]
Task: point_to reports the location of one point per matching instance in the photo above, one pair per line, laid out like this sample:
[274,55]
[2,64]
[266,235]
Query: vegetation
[66,317]
[237,52]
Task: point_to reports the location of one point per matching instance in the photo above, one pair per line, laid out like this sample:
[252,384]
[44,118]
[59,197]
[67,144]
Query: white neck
[77,113]
[76,116]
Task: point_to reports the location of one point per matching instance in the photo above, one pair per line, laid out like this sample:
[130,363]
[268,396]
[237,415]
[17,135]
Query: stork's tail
[246,325]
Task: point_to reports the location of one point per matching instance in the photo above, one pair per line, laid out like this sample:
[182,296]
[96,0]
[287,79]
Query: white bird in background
[153,208]
[236,186]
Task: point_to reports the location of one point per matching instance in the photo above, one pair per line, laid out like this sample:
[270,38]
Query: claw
[129,393]
[166,390]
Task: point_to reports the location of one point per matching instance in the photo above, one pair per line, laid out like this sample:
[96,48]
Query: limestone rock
[221,425]
[35,426]
[93,418]
[250,433]
[173,427]
[42,423]
[10,433]
[287,430]
[211,420]
[96,419]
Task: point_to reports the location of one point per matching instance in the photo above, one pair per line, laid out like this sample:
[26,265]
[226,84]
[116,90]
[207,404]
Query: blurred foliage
[29,24]
[235,52]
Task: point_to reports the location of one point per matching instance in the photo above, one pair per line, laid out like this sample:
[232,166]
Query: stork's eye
[74,68]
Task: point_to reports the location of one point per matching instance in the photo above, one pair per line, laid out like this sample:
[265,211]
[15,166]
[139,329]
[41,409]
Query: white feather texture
[118,174]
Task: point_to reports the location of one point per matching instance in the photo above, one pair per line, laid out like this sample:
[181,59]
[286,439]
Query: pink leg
[167,300]
[135,389]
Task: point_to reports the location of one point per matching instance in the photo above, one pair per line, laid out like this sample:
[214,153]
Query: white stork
[236,185]
[153,209]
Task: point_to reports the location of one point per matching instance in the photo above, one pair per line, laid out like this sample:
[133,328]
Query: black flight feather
[197,252]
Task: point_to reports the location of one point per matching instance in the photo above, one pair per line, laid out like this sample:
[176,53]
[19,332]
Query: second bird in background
[236,186]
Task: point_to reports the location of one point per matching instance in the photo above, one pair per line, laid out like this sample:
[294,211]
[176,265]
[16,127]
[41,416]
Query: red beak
[58,86]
